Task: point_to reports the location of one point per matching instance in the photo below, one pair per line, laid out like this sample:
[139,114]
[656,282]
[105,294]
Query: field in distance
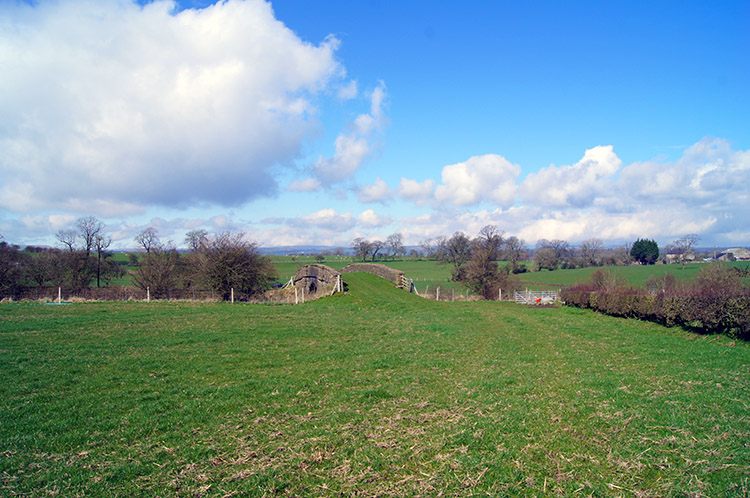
[372,392]
[431,274]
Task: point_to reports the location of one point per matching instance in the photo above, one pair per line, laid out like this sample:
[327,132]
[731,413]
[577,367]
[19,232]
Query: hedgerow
[717,302]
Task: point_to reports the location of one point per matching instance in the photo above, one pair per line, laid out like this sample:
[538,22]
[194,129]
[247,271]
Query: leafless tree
[590,251]
[80,241]
[545,257]
[89,229]
[491,239]
[514,251]
[159,272]
[361,248]
[101,243]
[148,238]
[395,244]
[457,249]
[375,247]
[195,239]
[227,262]
[67,238]
[553,253]
[684,246]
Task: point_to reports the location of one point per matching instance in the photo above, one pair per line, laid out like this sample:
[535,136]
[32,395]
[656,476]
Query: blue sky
[318,122]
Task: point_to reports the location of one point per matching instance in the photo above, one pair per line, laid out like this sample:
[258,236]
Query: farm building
[734,254]
[676,257]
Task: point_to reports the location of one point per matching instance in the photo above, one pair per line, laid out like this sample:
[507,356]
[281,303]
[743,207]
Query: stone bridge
[316,278]
[382,271]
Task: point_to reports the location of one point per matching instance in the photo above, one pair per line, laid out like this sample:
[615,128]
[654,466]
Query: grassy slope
[373,392]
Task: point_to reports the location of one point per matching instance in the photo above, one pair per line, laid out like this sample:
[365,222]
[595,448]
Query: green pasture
[431,274]
[428,274]
[375,392]
[634,275]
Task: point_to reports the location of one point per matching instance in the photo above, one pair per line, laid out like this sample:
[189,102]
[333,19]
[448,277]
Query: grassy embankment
[375,392]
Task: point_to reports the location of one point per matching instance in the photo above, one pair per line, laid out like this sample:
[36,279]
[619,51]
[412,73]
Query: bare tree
[490,239]
[148,238]
[684,246]
[227,262]
[80,242]
[457,249]
[361,248]
[551,253]
[515,252]
[482,275]
[545,257]
[396,244]
[590,251]
[375,247]
[160,271]
[89,229]
[67,238]
[195,239]
[101,243]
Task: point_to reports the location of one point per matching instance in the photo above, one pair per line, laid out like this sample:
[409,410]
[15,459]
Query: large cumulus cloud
[108,106]
[490,177]
[577,185]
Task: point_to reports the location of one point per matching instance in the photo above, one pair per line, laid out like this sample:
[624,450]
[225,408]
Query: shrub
[716,303]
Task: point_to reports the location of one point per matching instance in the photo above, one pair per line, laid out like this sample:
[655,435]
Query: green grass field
[428,275]
[375,392]
[431,274]
[634,275]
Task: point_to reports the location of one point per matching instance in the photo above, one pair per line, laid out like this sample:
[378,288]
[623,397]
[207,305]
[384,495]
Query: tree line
[474,260]
[83,261]
[224,263]
[545,255]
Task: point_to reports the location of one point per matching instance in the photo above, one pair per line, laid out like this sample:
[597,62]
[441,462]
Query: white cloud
[417,192]
[577,185]
[377,192]
[220,221]
[709,172]
[326,219]
[348,91]
[306,185]
[354,146]
[658,222]
[105,101]
[371,219]
[481,178]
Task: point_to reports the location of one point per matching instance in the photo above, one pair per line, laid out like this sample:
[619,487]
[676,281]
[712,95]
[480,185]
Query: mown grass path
[372,393]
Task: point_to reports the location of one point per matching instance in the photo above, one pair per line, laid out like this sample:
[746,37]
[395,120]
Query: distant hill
[301,250]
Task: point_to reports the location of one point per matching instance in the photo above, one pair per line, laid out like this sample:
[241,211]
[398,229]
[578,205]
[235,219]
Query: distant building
[734,254]
[676,257]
